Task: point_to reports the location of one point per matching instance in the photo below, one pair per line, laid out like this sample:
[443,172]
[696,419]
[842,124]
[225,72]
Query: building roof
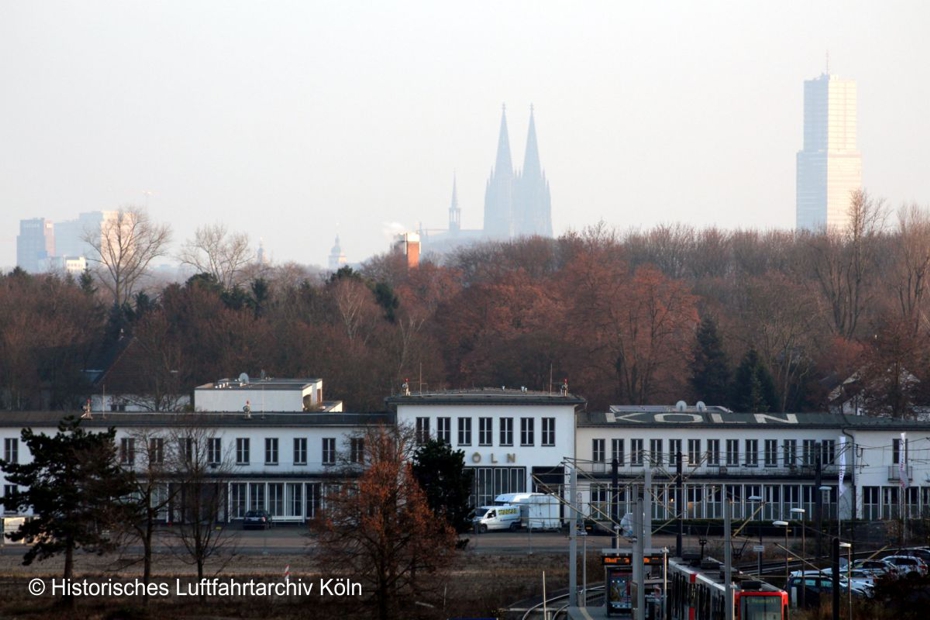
[244,383]
[485,396]
[665,417]
[50,419]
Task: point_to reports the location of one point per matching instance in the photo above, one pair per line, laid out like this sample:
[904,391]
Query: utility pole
[573,538]
[679,505]
[614,504]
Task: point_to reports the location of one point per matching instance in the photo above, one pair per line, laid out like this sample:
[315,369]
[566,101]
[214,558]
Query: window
[896,452]
[655,451]
[790,447]
[357,449]
[11,450]
[713,452]
[526,432]
[809,449]
[242,451]
[422,435]
[186,447]
[828,451]
[598,451]
[771,452]
[752,453]
[732,452]
[156,451]
[8,491]
[127,451]
[616,446]
[506,431]
[329,450]
[214,450]
[694,452]
[464,431]
[674,448]
[271,451]
[548,431]
[485,431]
[444,430]
[300,450]
[636,452]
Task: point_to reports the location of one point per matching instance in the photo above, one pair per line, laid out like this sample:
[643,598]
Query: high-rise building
[517,204]
[34,244]
[70,235]
[829,168]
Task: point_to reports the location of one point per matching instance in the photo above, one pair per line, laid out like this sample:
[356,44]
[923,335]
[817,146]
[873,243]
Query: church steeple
[498,196]
[455,214]
[532,204]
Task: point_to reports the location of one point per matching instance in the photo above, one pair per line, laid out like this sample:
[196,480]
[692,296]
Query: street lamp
[784,524]
[755,499]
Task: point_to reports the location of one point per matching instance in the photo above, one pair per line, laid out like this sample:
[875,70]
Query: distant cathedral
[516,203]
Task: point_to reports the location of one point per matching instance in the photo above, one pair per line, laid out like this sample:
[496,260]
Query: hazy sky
[295,121]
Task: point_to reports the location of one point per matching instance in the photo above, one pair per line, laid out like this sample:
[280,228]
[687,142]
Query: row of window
[505,431]
[711,454]
[188,449]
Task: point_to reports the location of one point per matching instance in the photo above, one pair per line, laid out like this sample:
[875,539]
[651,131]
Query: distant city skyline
[296,122]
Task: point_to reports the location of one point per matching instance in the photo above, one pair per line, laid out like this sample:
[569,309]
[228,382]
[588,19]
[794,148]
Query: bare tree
[843,260]
[153,459]
[912,265]
[216,251]
[202,470]
[124,247]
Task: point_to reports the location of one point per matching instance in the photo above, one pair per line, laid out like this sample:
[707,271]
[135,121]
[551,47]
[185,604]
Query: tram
[696,592]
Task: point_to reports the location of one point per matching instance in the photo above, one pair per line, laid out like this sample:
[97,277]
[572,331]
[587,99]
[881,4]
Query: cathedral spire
[532,207]
[504,164]
[498,197]
[531,165]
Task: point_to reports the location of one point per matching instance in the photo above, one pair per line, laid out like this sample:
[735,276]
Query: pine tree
[710,373]
[441,472]
[75,488]
[753,389]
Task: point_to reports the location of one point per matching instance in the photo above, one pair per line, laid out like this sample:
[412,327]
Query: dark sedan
[257,519]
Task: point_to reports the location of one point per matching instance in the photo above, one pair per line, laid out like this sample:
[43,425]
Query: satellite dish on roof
[701,406]
[243,378]
[681,406]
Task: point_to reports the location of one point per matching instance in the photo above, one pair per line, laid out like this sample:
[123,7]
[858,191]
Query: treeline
[758,321]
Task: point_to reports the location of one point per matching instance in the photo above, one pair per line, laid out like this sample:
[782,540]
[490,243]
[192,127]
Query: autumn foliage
[379,529]
[833,318]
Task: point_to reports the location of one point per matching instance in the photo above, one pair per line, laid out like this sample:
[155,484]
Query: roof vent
[681,406]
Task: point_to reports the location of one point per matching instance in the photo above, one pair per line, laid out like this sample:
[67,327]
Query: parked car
[817,583]
[908,565]
[257,519]
[877,568]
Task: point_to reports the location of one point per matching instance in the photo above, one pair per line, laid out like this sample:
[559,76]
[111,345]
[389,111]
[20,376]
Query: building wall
[501,466]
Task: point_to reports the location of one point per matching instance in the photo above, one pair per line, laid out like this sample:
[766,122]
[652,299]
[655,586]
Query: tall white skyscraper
[829,168]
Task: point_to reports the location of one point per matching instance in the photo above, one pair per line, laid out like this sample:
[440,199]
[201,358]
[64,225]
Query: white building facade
[514,441]
[850,467]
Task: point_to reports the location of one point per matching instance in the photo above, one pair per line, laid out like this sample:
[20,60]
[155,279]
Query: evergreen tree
[442,474]
[76,490]
[753,389]
[710,373]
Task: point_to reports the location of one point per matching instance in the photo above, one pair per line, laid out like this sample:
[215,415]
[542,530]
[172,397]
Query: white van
[497,518]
